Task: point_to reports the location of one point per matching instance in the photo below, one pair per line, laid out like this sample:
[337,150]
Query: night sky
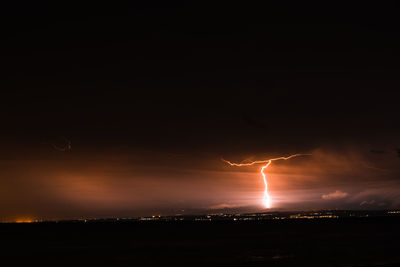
[152,96]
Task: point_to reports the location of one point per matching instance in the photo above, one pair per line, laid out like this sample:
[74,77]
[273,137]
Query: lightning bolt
[67,148]
[267,198]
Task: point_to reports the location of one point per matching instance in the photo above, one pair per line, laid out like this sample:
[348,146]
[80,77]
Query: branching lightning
[66,148]
[267,198]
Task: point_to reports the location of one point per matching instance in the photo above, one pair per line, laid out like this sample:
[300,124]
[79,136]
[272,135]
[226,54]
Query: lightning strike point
[266,201]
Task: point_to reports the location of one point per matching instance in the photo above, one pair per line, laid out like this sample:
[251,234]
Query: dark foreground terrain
[319,242]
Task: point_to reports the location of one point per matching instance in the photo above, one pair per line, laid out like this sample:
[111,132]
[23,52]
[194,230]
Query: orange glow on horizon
[266,198]
[24,220]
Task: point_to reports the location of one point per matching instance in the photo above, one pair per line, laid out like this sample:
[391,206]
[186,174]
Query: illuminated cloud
[335,195]
[224,206]
[371,202]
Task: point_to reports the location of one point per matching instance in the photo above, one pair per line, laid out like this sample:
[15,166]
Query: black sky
[175,76]
[191,79]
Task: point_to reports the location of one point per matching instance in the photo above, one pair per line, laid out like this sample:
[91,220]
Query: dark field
[335,242]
